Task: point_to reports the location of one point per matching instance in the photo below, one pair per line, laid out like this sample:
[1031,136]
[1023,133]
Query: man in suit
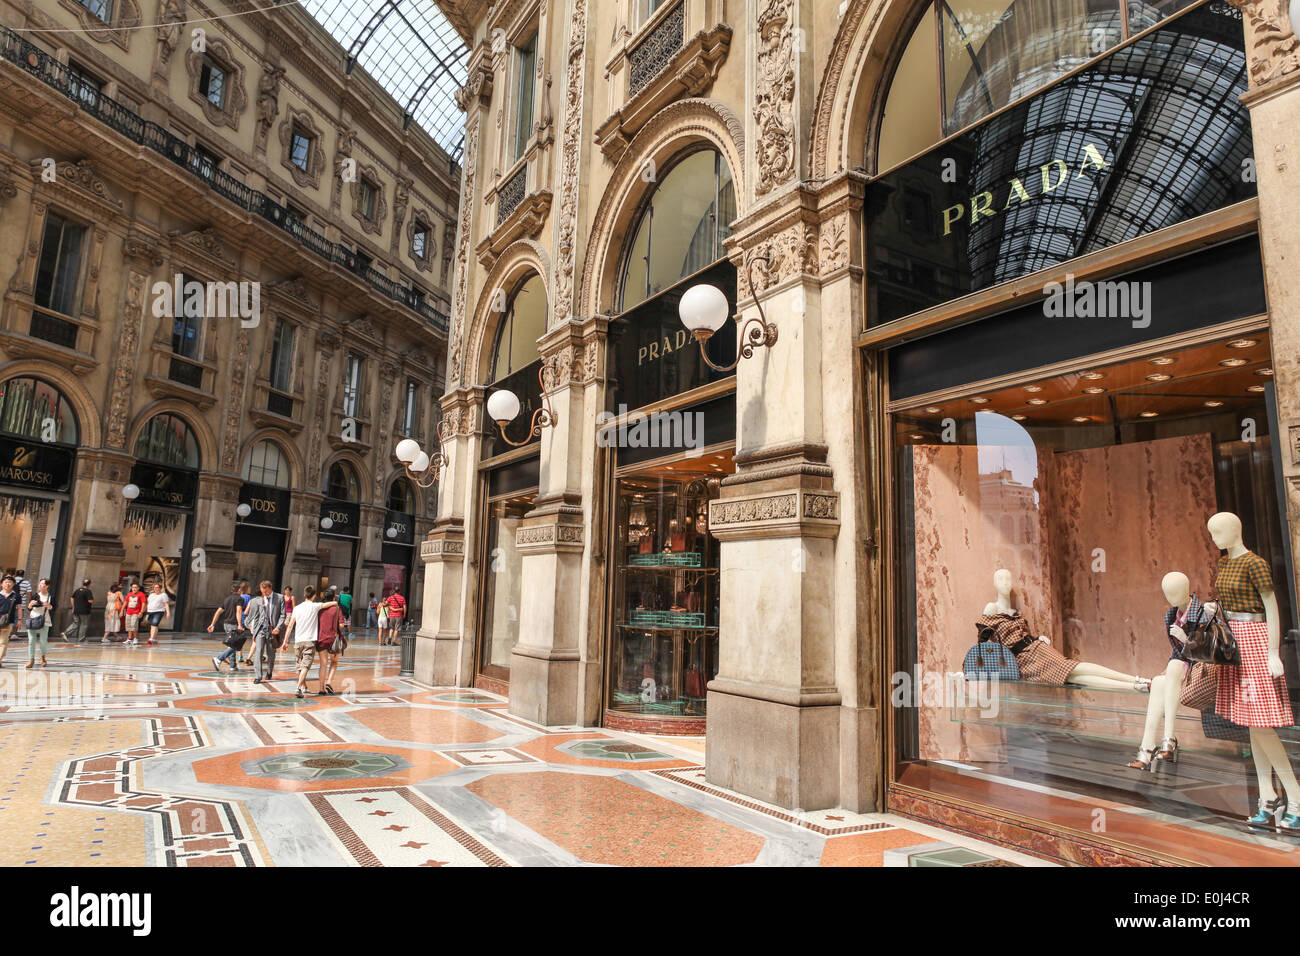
[265,617]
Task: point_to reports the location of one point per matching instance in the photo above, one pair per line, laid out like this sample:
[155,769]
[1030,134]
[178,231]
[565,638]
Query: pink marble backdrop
[1145,505]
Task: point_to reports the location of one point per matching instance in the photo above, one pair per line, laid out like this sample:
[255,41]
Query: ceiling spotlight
[1243,343]
[1159,377]
[1037,401]
[917,436]
[1094,390]
[1213,404]
[1256,388]
[1264,372]
[1092,376]
[1033,388]
[980,400]
[1163,360]
[1232,363]
[933,409]
[1150,414]
[1081,419]
[1019,418]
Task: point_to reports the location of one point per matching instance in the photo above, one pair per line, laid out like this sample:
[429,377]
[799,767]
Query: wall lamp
[503,408]
[419,466]
[704,310]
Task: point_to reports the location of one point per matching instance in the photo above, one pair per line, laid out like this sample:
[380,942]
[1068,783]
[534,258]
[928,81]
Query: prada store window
[665,643]
[1058,540]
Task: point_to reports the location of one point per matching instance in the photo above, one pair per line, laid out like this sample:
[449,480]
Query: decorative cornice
[82,177]
[1273,48]
[477,90]
[798,512]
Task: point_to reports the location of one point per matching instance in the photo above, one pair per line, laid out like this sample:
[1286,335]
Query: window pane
[187,324]
[352,386]
[341,482]
[301,150]
[524,324]
[282,358]
[167,440]
[911,120]
[502,589]
[27,405]
[419,242]
[524,100]
[59,268]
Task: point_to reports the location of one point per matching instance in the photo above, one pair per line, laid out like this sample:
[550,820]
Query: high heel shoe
[1291,822]
[1264,816]
[1142,685]
[1168,752]
[1141,762]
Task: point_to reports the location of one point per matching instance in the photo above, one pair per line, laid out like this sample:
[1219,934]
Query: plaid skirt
[1041,663]
[1200,686]
[1248,695]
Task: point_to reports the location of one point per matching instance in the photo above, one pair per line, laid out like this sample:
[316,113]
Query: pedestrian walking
[112,613]
[40,610]
[10,608]
[381,621]
[266,620]
[157,609]
[303,630]
[245,595]
[23,585]
[82,600]
[288,599]
[372,612]
[231,613]
[331,642]
[133,609]
[345,606]
[396,605]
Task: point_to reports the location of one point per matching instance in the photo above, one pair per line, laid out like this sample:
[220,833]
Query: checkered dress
[1248,695]
[1039,663]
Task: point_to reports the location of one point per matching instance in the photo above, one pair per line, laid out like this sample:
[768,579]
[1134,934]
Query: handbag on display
[1210,640]
[694,683]
[989,658]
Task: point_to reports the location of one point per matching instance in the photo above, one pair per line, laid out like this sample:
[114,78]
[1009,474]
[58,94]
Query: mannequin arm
[1274,620]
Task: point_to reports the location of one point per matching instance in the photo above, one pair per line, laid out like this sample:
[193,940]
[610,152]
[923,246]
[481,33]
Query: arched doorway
[340,526]
[397,552]
[262,535]
[159,529]
[38,441]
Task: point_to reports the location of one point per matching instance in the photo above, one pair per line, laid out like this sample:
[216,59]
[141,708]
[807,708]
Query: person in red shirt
[132,610]
[328,627]
[396,605]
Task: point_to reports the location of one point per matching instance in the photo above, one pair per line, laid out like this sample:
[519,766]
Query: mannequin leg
[1175,672]
[1155,709]
[1102,678]
[1270,756]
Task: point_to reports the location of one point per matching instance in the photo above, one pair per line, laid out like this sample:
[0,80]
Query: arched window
[32,408]
[681,229]
[400,497]
[166,439]
[523,324]
[341,482]
[267,465]
[969,58]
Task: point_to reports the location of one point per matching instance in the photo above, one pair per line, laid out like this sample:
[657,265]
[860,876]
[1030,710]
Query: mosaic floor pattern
[130,756]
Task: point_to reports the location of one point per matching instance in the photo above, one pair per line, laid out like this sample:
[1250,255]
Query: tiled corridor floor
[119,755]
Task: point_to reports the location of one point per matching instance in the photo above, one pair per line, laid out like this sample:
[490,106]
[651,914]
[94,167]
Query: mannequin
[1190,683]
[1254,694]
[1039,662]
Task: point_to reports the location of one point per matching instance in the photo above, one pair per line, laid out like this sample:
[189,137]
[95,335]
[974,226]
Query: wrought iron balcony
[57,76]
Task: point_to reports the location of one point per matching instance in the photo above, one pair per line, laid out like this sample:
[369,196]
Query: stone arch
[517,260]
[850,97]
[670,131]
[297,469]
[90,427]
[208,455]
[358,465]
[417,493]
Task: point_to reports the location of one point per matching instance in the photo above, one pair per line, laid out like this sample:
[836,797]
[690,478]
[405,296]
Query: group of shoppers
[386,615]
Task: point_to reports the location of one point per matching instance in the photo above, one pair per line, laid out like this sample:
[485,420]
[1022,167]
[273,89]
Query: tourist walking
[231,613]
[40,611]
[132,610]
[9,611]
[112,613]
[23,586]
[157,609]
[82,600]
[245,595]
[302,628]
[265,618]
[372,612]
[345,607]
[396,605]
[381,621]
[331,641]
[288,600]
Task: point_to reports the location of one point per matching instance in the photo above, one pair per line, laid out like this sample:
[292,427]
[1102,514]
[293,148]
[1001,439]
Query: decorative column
[1273,52]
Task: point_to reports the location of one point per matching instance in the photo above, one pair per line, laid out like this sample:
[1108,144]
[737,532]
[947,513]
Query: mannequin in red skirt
[1254,694]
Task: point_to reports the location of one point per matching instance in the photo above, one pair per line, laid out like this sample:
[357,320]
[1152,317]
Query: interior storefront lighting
[1255,388]
[1094,390]
[419,466]
[1092,376]
[503,407]
[933,409]
[1163,360]
[1033,388]
[1019,418]
[1213,404]
[1150,414]
[1159,377]
[1081,419]
[1266,372]
[1037,401]
[1243,343]
[979,400]
[1232,363]
[704,309]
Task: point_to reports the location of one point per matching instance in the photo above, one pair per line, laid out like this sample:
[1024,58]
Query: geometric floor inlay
[326,765]
[612,750]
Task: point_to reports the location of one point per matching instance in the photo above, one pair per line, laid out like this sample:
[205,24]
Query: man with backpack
[232,610]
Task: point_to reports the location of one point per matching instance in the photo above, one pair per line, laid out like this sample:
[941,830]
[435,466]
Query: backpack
[989,658]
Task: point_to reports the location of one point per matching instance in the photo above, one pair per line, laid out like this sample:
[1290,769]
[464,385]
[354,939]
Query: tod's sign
[270,506]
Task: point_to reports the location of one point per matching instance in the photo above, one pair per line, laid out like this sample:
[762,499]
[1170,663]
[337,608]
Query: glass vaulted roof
[412,51]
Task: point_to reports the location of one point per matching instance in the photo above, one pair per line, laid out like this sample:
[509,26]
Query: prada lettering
[1050,177]
[658,349]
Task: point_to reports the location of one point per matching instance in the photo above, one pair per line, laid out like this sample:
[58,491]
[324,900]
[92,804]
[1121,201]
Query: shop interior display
[666,590]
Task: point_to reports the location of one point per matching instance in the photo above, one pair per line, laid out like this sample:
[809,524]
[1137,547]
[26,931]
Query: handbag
[36,621]
[1210,640]
[990,658]
[235,639]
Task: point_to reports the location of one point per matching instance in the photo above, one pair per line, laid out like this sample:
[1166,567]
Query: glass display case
[665,647]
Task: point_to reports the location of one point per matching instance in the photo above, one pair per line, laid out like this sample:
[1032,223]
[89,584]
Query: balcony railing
[649,57]
[51,328]
[511,194]
[186,372]
[57,76]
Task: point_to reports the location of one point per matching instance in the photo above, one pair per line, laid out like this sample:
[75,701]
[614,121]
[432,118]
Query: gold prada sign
[658,349]
[1051,176]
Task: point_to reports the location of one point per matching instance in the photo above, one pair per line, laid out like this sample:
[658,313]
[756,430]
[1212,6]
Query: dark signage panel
[34,464]
[270,505]
[163,486]
[345,517]
[401,523]
[1081,166]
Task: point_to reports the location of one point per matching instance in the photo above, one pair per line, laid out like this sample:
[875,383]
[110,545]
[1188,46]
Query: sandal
[1143,759]
[1168,753]
[1142,685]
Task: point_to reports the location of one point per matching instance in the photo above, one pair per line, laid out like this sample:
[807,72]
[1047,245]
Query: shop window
[212,82]
[681,228]
[502,584]
[300,148]
[167,439]
[666,590]
[58,273]
[36,410]
[341,482]
[267,465]
[524,323]
[352,386]
[525,81]
[1058,506]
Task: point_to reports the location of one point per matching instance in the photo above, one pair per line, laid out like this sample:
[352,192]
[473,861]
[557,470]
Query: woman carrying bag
[39,611]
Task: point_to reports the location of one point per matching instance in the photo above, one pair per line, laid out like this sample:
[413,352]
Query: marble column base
[544,685]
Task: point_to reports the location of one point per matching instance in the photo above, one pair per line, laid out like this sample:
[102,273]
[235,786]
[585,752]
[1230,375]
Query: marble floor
[146,756]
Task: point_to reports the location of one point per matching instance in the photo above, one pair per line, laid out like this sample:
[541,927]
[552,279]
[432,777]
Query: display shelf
[656,627]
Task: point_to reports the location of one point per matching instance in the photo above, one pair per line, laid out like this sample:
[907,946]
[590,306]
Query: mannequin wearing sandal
[1189,683]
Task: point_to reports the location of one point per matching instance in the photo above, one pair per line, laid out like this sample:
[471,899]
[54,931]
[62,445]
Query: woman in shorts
[157,609]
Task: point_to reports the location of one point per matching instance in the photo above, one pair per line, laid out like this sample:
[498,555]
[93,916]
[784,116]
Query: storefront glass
[262,536]
[398,550]
[502,584]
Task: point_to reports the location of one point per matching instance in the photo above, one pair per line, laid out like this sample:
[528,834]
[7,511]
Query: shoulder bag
[1210,640]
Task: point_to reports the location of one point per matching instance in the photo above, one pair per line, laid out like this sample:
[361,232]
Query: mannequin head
[1002,582]
[1176,587]
[1225,530]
